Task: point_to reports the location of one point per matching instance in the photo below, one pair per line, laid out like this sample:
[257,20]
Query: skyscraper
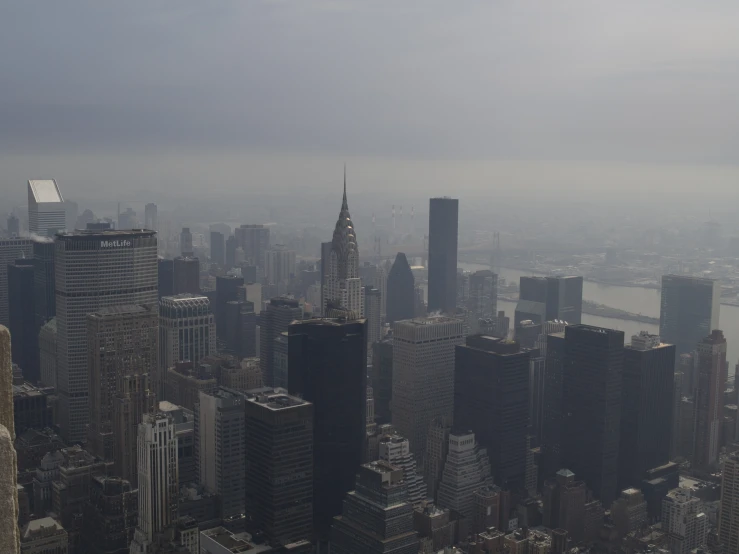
[157,461]
[483,298]
[10,250]
[217,248]
[279,264]
[342,285]
[728,524]
[592,382]
[122,343]
[437,448]
[219,447]
[44,298]
[327,366]
[443,228]
[186,248]
[709,399]
[381,376]
[279,465]
[401,296]
[166,277]
[372,302]
[325,261]
[94,270]
[14,227]
[553,413]
[227,287]
[543,299]
[491,398]
[377,516]
[395,450]
[254,240]
[186,275]
[274,320]
[23,332]
[150,217]
[187,332]
[46,212]
[684,521]
[646,409]
[423,375]
[467,469]
[689,310]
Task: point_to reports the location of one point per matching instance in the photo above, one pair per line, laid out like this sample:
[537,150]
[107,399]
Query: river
[632,299]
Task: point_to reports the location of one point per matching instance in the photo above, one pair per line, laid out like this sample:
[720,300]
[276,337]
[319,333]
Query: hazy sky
[508,95]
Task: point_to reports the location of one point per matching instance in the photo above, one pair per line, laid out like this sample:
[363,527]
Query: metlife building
[94,269]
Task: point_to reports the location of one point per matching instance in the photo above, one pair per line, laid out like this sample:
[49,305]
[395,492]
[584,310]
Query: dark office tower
[592,382]
[372,311]
[327,366]
[443,224]
[217,248]
[709,399]
[150,217]
[186,275]
[240,335]
[93,271]
[279,465]
[552,416]
[377,517]
[689,310]
[43,281]
[483,298]
[166,277]
[273,320]
[10,250]
[186,248]
[491,398]
[325,259]
[646,408]
[543,299]
[227,287]
[254,240]
[23,333]
[381,377]
[401,298]
[231,246]
[123,345]
[14,228]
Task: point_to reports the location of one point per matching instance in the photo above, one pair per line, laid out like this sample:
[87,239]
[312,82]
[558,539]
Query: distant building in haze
[217,248]
[10,250]
[23,330]
[543,299]
[150,217]
[274,320]
[342,285]
[709,399]
[186,275]
[423,375]
[483,298]
[689,310]
[372,308]
[442,264]
[46,212]
[186,248]
[166,278]
[254,241]
[381,376]
[14,227]
[401,296]
[327,366]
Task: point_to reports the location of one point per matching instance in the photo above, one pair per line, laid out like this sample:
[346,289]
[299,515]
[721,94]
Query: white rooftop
[45,190]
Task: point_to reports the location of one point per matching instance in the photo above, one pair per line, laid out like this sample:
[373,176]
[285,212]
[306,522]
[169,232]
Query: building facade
[46,211]
[94,270]
[10,250]
[423,375]
[442,264]
[543,299]
[709,399]
[689,310]
[274,320]
[401,301]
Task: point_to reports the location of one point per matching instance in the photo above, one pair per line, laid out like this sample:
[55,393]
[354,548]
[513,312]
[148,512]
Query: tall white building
[728,524]
[342,284]
[396,450]
[94,270]
[684,521]
[423,375]
[158,480]
[187,332]
[46,211]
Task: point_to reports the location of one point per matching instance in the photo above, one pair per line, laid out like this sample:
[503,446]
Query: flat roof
[45,190]
[105,234]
